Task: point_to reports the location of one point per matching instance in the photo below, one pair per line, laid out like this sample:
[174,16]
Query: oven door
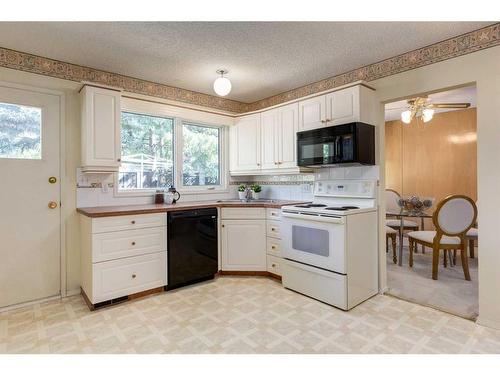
[314,240]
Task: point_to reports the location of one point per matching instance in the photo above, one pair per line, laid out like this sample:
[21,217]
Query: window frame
[160,110]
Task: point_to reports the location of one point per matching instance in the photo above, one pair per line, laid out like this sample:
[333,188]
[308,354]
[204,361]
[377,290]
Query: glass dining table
[401,215]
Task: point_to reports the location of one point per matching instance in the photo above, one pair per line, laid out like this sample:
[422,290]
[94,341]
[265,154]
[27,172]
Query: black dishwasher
[192,246]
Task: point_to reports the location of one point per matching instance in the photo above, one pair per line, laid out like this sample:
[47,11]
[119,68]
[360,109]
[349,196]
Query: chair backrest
[391,200]
[455,215]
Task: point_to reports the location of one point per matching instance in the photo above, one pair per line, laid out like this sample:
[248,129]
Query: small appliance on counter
[170,195]
[347,144]
[159,197]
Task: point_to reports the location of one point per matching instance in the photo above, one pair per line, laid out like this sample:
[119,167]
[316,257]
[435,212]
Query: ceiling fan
[420,107]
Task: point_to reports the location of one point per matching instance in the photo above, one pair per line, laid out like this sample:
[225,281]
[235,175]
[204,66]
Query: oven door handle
[308,217]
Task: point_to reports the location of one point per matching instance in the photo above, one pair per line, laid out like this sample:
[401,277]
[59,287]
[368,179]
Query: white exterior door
[30,221]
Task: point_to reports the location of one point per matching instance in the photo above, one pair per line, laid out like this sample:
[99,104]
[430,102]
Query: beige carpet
[450,293]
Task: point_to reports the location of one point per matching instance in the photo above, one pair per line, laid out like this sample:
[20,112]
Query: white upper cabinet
[351,104]
[245,144]
[288,126]
[269,139]
[312,113]
[101,142]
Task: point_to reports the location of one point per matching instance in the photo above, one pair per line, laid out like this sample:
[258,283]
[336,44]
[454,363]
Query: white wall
[483,69]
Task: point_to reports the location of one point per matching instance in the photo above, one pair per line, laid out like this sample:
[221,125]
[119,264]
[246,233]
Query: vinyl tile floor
[239,315]
[450,292]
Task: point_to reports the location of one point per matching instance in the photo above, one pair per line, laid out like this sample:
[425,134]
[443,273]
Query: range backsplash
[98,189]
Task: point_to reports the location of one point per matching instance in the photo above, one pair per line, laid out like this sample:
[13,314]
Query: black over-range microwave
[352,143]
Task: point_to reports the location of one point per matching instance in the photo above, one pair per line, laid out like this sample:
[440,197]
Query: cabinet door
[312,113]
[101,130]
[343,106]
[245,144]
[287,135]
[270,139]
[243,245]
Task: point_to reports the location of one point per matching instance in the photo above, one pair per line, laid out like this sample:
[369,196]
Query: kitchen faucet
[248,194]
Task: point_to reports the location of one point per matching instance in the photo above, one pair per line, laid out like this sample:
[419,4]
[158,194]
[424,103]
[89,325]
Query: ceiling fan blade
[450,105]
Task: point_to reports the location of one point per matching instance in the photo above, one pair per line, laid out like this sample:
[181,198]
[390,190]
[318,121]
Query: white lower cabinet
[273,241]
[273,265]
[118,260]
[243,245]
[122,277]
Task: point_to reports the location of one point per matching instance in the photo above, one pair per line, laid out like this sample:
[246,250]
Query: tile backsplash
[98,189]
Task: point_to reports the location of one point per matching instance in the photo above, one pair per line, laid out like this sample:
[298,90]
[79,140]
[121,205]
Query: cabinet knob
[134,276]
[132,222]
[273,229]
[273,247]
[223,225]
[273,265]
[258,164]
[133,243]
[118,159]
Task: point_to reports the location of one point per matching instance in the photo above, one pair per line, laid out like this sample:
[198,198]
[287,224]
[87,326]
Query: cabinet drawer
[115,223]
[273,265]
[273,246]
[273,228]
[243,213]
[114,245]
[273,214]
[118,278]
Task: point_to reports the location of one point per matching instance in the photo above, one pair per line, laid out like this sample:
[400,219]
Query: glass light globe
[427,114]
[406,116]
[222,86]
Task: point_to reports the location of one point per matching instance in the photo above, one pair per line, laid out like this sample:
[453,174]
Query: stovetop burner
[311,205]
[343,208]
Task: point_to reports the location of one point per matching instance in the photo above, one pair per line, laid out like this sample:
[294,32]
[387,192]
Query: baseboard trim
[30,303]
[495,324]
[73,292]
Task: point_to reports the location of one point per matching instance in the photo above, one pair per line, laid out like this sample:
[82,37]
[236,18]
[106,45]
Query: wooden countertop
[136,209]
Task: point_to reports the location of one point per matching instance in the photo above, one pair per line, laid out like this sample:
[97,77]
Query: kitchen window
[160,149]
[200,155]
[147,160]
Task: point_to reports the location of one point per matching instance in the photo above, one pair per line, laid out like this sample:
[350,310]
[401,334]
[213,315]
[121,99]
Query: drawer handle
[133,243]
[273,214]
[134,276]
[273,229]
[273,247]
[132,222]
[273,265]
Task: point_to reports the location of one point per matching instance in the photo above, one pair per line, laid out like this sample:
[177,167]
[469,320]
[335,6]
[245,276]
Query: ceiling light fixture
[423,109]
[222,85]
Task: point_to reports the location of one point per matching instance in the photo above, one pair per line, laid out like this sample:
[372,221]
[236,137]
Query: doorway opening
[430,154]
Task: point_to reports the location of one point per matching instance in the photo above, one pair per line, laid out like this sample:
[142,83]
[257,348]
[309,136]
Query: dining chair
[391,234]
[453,218]
[471,235]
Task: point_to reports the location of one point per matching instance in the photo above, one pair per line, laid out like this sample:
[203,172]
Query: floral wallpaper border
[461,45]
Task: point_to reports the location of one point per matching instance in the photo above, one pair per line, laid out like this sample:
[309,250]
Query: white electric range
[330,247]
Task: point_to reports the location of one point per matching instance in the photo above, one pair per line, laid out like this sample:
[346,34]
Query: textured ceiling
[462,95]
[263,58]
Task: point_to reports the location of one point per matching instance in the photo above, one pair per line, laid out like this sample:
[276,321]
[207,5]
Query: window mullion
[178,149]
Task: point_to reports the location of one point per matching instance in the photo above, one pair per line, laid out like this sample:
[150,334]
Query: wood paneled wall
[435,159]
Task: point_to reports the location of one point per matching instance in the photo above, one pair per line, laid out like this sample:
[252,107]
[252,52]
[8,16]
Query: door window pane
[147,152]
[20,131]
[201,155]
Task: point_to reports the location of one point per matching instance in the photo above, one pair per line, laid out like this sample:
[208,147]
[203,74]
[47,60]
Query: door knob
[52,205]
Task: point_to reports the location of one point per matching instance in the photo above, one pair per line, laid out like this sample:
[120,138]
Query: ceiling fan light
[406,116]
[222,85]
[427,114]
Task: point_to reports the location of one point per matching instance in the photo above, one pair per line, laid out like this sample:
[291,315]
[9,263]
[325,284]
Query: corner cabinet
[351,104]
[245,145]
[265,143]
[101,130]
